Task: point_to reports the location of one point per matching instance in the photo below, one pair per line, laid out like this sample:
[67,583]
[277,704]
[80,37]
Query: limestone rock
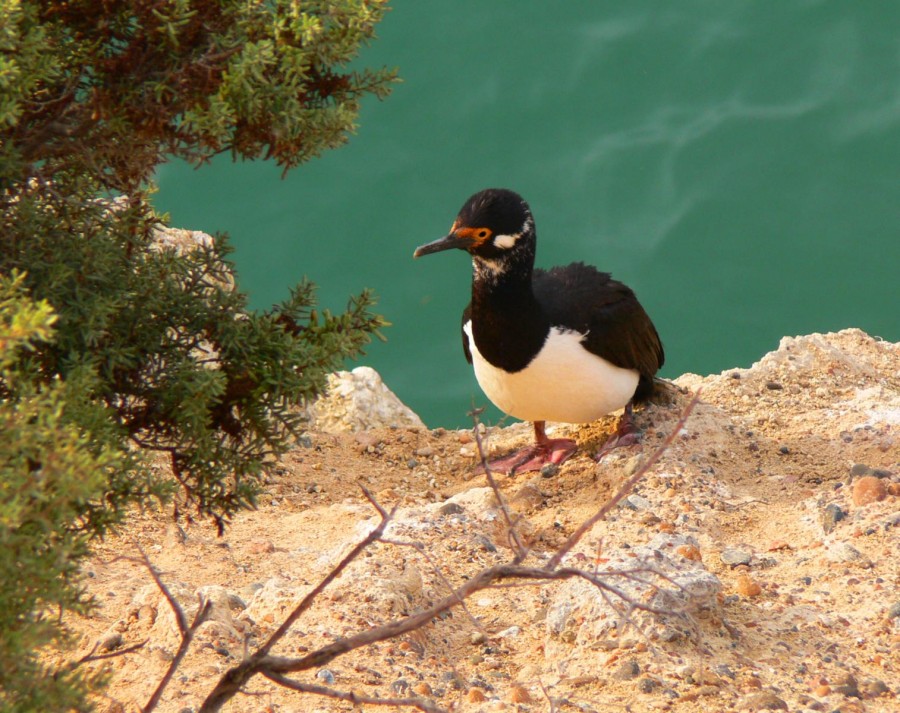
[673,588]
[359,400]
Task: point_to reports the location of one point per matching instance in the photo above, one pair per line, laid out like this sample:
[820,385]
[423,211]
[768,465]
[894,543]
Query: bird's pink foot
[551,450]
[626,435]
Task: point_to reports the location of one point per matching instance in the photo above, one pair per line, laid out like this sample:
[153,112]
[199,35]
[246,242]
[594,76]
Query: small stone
[831,516]
[475,695]
[689,552]
[627,670]
[647,685]
[748,587]
[762,701]
[873,689]
[477,638]
[456,682]
[422,689]
[869,489]
[400,686]
[846,685]
[261,547]
[735,557]
[844,552]
[425,452]
[725,670]
[549,470]
[859,469]
[519,694]
[637,502]
[324,674]
[412,463]
[110,641]
[450,509]
[773,386]
[894,611]
[509,633]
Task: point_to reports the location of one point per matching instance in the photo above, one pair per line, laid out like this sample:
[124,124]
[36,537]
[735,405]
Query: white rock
[584,614]
[358,400]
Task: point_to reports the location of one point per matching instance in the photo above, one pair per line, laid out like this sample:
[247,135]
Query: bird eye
[483,234]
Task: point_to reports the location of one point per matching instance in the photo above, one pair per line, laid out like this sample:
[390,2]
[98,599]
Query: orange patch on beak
[478,236]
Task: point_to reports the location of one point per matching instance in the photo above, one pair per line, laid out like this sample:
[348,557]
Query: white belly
[564,382]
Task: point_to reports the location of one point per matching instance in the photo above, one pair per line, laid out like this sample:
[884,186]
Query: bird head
[494,226]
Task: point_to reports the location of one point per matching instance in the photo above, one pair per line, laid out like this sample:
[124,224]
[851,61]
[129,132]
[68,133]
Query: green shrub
[152,348]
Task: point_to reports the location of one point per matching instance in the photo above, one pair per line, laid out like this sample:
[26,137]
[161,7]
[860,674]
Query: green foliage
[161,347]
[49,471]
[114,343]
[114,88]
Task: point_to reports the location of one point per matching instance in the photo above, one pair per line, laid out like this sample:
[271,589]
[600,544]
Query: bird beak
[448,242]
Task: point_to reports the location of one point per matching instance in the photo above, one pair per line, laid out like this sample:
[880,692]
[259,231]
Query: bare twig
[92,655]
[626,487]
[307,601]
[350,696]
[187,632]
[518,548]
[234,679]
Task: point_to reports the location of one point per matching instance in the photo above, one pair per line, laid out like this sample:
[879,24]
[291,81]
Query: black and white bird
[569,344]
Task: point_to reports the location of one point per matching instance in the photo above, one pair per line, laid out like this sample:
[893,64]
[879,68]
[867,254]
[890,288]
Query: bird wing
[467,316]
[615,325]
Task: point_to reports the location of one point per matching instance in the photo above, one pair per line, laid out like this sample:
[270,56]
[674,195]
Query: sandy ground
[805,616]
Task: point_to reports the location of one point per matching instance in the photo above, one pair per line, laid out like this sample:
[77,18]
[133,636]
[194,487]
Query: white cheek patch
[506,241]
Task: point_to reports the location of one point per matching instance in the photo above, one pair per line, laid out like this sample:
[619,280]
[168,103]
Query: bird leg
[626,434]
[545,450]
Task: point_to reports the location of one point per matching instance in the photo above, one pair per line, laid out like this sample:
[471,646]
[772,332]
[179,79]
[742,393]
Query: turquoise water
[737,164]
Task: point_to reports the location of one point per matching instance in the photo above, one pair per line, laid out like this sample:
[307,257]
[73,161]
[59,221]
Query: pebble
[894,611]
[450,509]
[869,489]
[261,547]
[519,694]
[831,516]
[844,552]
[456,682]
[509,633]
[690,552]
[859,469]
[748,587]
[476,695]
[627,670]
[873,689]
[422,689]
[846,685]
[762,701]
[425,452]
[110,641]
[637,502]
[647,685]
[549,470]
[735,557]
[324,674]
[400,686]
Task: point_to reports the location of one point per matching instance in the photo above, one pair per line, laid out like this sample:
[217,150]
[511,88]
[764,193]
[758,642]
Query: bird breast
[564,382]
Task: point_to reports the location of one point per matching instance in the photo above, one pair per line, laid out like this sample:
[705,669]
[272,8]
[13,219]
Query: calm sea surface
[736,163]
